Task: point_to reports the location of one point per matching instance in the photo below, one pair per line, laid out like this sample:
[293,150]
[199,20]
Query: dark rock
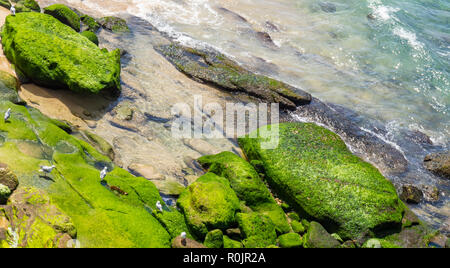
[438,164]
[214,68]
[411,194]
[234,233]
[266,39]
[438,241]
[371,16]
[418,137]
[272,27]
[431,193]
[318,237]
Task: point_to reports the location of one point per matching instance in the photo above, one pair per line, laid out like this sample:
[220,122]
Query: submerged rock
[327,7]
[313,170]
[411,194]
[114,24]
[72,61]
[247,184]
[209,203]
[318,237]
[215,68]
[65,15]
[438,164]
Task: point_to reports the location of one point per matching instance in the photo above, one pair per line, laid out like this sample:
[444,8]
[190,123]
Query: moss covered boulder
[257,230]
[248,186]
[214,239]
[173,221]
[215,68]
[314,171]
[89,24]
[26,6]
[8,88]
[318,237]
[72,61]
[290,240]
[114,24]
[8,178]
[91,36]
[65,15]
[113,213]
[209,203]
[230,243]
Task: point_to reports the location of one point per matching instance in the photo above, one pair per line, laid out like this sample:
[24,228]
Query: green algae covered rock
[372,243]
[5,192]
[114,24]
[173,221]
[290,240]
[313,170]
[298,227]
[91,36]
[214,239]
[65,15]
[90,24]
[8,88]
[257,230]
[230,243]
[215,68]
[26,6]
[318,237]
[102,215]
[71,61]
[209,203]
[248,186]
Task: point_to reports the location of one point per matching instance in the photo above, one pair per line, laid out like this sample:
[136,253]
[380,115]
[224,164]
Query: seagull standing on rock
[13,10]
[7,114]
[47,169]
[159,206]
[183,238]
[103,173]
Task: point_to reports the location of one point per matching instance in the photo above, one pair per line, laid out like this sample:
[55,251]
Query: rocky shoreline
[309,192]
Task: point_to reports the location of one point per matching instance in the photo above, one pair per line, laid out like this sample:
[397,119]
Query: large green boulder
[65,15]
[114,213]
[312,169]
[318,237]
[8,87]
[70,61]
[209,203]
[257,230]
[248,186]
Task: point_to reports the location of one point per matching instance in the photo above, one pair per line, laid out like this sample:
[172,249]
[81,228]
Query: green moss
[114,24]
[102,217]
[257,230]
[318,237]
[5,192]
[214,239]
[27,6]
[173,221]
[313,170]
[387,244]
[293,216]
[372,243]
[209,203]
[101,144]
[65,15]
[5,4]
[248,186]
[90,22]
[290,240]
[72,61]
[230,243]
[91,36]
[298,227]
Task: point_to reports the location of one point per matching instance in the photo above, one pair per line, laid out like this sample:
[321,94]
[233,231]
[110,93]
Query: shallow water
[392,67]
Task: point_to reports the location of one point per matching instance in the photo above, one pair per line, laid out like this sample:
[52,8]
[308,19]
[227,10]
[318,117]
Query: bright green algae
[70,61]
[103,218]
[248,186]
[65,15]
[314,171]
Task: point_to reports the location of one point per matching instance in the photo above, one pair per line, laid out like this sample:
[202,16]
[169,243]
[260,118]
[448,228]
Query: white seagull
[47,169]
[183,235]
[103,173]
[13,10]
[7,114]
[159,206]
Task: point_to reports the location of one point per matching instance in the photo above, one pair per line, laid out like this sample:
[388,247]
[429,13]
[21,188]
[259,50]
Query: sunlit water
[387,60]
